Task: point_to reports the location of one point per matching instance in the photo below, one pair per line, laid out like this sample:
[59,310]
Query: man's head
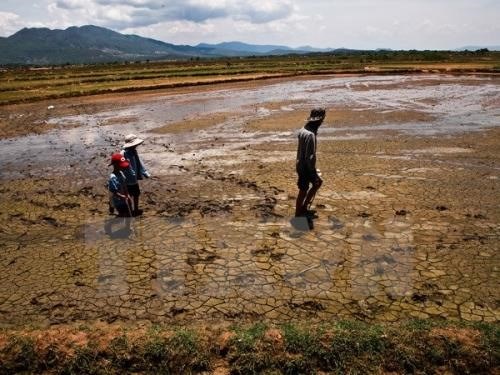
[316,119]
[132,140]
[317,115]
[118,161]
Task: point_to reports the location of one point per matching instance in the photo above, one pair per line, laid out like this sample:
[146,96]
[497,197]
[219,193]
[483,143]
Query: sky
[361,24]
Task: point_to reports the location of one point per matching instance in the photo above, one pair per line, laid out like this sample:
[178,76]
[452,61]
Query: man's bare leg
[300,209]
[311,193]
[136,204]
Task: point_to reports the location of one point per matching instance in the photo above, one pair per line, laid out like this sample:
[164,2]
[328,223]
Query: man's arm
[143,169]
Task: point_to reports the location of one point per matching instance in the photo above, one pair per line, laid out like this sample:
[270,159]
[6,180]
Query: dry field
[407,228]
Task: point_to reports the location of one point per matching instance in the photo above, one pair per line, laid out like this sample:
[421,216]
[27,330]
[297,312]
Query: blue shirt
[117,184]
[136,165]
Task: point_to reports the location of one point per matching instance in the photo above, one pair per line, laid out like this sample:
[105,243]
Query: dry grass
[31,85]
[28,94]
[465,336]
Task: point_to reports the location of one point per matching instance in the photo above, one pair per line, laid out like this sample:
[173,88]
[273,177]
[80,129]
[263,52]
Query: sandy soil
[286,119]
[408,217]
[190,124]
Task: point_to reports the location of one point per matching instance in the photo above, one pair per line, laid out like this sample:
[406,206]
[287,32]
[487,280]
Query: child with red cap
[117,185]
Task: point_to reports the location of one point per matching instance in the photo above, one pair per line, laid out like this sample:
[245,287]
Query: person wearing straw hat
[309,180]
[137,166]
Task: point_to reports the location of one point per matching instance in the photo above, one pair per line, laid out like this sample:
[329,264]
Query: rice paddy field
[36,83]
[397,274]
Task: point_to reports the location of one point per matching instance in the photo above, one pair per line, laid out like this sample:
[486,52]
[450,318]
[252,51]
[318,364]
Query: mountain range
[244,48]
[93,44]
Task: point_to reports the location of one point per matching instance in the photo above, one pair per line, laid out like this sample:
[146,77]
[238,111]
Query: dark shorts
[134,190]
[123,211]
[121,207]
[305,179]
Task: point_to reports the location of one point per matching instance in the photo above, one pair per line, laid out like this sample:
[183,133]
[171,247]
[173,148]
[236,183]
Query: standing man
[306,162]
[130,153]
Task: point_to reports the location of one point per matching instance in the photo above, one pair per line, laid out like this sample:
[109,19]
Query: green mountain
[243,47]
[86,44]
[239,48]
[91,44]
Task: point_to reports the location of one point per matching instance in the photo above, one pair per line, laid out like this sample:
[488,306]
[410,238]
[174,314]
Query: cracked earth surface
[408,215]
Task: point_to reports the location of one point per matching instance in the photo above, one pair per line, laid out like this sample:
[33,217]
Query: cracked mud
[408,216]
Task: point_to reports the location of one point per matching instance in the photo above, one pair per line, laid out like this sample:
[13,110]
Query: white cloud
[9,23]
[179,32]
[122,14]
[71,4]
[263,11]
[420,24]
[224,30]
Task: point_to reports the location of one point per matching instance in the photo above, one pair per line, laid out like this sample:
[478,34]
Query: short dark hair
[317,114]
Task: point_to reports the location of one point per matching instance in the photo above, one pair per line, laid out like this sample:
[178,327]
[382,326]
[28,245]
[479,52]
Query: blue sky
[397,24]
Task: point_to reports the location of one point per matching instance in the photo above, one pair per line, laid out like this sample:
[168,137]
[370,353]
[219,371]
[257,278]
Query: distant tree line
[336,56]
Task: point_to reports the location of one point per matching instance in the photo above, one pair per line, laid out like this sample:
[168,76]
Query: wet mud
[408,218]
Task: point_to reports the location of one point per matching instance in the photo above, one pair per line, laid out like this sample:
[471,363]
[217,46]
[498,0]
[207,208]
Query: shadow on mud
[118,227]
[302,223]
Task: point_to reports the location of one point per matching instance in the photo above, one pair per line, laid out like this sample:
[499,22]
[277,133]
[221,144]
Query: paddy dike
[408,216]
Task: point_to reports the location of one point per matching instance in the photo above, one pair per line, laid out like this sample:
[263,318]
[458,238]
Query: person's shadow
[302,223]
[124,231]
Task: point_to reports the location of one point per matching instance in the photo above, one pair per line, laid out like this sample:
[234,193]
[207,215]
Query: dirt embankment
[415,346]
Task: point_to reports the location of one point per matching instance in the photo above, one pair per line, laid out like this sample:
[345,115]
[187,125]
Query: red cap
[119,159]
